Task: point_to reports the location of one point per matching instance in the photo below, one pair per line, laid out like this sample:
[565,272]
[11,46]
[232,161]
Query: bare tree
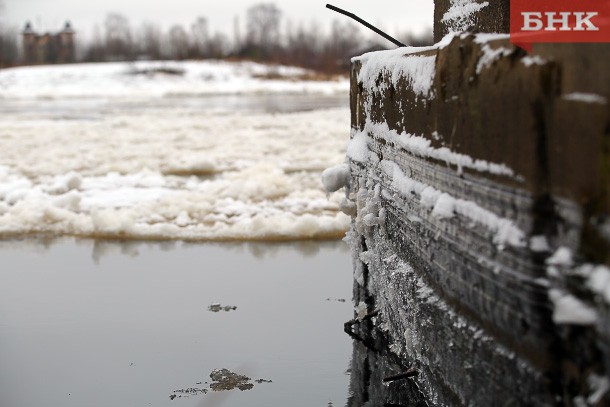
[218,46]
[178,42]
[9,51]
[263,28]
[95,51]
[303,46]
[200,38]
[417,40]
[236,33]
[150,40]
[119,40]
[344,42]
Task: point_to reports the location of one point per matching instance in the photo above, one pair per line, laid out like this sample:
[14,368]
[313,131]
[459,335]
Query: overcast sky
[394,16]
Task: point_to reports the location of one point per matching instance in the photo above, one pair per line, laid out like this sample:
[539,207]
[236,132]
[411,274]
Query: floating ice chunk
[65,183]
[70,201]
[183,219]
[114,222]
[13,184]
[335,178]
[570,310]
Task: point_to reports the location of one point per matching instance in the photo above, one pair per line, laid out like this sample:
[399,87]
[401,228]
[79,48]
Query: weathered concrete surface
[493,17]
[473,315]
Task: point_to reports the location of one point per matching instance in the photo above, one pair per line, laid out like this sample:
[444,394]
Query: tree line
[267,38]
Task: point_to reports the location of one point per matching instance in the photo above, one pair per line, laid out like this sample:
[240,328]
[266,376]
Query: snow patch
[490,55]
[599,281]
[533,60]
[561,257]
[461,14]
[358,148]
[539,244]
[420,147]
[117,80]
[599,385]
[417,70]
[570,310]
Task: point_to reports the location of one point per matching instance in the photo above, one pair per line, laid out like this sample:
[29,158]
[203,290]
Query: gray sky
[393,16]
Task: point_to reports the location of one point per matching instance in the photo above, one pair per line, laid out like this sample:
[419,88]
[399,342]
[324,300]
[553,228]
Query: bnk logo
[552,21]
[536,21]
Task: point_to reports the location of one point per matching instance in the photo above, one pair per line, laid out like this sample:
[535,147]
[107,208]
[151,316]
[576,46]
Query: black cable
[367,25]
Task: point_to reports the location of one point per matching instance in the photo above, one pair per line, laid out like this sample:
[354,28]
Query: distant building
[48,48]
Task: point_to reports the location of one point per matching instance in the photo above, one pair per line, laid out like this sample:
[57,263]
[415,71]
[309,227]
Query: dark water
[86,323]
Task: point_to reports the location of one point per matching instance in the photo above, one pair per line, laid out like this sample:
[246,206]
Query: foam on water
[164,171]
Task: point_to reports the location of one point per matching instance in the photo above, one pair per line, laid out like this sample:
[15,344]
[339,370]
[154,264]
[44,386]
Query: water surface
[90,323]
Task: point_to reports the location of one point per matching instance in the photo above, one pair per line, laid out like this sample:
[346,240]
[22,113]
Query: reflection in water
[378,377]
[136,327]
[101,248]
[367,388]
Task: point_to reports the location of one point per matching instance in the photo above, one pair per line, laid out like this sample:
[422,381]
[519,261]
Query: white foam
[175,172]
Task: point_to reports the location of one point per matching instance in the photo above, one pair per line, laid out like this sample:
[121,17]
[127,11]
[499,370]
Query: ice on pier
[335,178]
[417,70]
[585,98]
[441,204]
[421,146]
[570,310]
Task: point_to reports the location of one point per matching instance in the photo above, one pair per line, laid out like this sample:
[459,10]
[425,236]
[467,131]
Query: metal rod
[367,25]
